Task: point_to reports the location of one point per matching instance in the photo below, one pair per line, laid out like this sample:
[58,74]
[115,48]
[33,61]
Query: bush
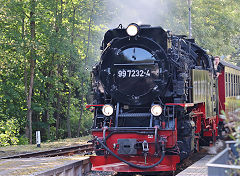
[232,119]
[22,140]
[8,131]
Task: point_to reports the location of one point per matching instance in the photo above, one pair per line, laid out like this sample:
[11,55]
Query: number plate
[132,73]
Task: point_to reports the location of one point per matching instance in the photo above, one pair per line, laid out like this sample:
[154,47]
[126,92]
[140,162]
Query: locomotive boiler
[154,100]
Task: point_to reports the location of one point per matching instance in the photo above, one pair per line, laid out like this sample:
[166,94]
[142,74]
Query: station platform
[48,166]
[199,168]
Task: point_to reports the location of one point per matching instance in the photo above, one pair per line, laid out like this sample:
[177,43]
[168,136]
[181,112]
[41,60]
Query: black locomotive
[147,89]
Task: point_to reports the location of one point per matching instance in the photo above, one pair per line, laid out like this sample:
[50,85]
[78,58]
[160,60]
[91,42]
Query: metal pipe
[117,112]
[134,115]
[131,164]
[151,121]
[189,18]
[156,140]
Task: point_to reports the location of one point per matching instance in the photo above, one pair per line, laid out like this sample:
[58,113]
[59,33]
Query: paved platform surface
[197,169]
[36,166]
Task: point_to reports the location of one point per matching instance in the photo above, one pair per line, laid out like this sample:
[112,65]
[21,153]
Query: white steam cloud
[153,12]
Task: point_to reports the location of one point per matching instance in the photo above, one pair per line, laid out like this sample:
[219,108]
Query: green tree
[45,48]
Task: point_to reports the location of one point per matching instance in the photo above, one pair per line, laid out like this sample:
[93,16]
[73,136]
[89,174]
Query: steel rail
[55,152]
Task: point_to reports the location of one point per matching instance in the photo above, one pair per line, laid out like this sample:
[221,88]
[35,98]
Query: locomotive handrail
[125,131]
[134,115]
[134,64]
[127,128]
[129,163]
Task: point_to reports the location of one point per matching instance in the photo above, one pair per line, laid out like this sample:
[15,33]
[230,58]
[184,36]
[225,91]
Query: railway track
[80,149]
[65,151]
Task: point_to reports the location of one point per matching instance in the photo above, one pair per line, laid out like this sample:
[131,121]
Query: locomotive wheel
[205,141]
[220,131]
[214,137]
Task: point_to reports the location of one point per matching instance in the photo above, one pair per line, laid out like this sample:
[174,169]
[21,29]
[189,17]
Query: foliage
[215,24]
[22,140]
[66,44]
[9,131]
[232,119]
[66,36]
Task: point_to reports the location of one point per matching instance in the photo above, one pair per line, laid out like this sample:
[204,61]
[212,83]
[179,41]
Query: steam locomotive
[155,100]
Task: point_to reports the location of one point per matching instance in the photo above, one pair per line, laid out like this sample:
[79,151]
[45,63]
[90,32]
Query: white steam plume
[153,12]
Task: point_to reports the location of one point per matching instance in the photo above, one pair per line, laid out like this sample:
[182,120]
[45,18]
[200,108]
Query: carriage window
[230,84]
[226,84]
[235,92]
[238,85]
[234,83]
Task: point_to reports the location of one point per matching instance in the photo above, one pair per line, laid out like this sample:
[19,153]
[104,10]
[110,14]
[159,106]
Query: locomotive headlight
[132,29]
[156,110]
[107,110]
